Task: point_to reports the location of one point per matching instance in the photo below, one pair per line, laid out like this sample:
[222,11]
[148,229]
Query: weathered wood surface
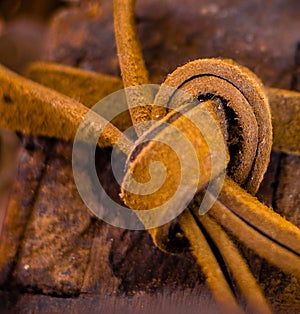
[53,256]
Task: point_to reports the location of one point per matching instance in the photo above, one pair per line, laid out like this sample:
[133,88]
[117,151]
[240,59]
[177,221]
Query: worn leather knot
[226,92]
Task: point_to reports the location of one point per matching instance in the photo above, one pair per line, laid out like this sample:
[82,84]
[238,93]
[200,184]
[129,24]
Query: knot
[243,112]
[198,102]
